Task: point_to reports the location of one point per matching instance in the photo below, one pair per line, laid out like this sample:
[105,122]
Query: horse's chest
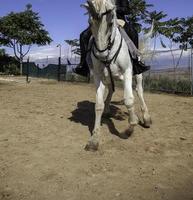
[113,71]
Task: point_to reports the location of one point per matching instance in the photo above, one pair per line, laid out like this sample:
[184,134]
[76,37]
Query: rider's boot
[139,67]
[82,68]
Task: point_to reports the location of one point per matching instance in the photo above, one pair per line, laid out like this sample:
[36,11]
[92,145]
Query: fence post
[149,80]
[27,74]
[59,67]
[191,69]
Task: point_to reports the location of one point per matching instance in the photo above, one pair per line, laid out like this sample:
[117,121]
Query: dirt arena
[45,125]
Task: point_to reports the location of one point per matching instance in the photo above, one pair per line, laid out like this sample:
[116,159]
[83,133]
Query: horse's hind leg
[139,88]
[129,100]
[99,107]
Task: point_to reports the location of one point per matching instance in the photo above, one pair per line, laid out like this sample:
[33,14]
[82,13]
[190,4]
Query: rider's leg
[82,68]
[84,40]
[131,36]
[131,46]
[132,33]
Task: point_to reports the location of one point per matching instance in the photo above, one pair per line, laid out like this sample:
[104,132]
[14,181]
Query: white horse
[108,58]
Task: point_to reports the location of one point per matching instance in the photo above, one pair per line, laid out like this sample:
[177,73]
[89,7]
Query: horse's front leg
[107,99]
[93,143]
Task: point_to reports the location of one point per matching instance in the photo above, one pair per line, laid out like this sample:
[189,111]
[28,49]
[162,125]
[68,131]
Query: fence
[168,73]
[58,70]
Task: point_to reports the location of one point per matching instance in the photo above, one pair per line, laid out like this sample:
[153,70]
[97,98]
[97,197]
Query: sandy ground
[44,127]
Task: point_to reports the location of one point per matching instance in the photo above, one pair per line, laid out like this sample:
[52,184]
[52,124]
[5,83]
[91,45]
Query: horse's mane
[99,3]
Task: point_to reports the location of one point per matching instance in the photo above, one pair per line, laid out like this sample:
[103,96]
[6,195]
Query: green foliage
[171,28]
[166,84]
[185,37]
[157,17]
[8,65]
[12,69]
[73,43]
[138,12]
[177,30]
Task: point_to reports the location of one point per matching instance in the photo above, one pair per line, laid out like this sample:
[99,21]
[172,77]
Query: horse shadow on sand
[85,114]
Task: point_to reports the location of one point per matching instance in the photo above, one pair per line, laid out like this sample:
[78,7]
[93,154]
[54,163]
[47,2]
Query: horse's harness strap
[107,12]
[99,16]
[109,46]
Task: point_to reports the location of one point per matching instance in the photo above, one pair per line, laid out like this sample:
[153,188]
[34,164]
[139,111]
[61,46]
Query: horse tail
[144,42]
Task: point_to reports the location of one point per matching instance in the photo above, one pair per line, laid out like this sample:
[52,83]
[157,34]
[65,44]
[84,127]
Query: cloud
[49,55]
[44,52]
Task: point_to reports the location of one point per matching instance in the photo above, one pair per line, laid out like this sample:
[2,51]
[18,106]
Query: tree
[158,21]
[138,11]
[157,17]
[75,46]
[185,37]
[21,30]
[180,32]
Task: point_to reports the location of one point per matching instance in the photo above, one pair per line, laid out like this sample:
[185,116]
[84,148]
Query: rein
[109,46]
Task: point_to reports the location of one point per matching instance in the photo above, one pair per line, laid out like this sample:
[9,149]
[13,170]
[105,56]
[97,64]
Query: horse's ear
[85,6]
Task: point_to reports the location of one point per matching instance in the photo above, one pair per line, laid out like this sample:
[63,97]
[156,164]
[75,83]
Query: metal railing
[164,75]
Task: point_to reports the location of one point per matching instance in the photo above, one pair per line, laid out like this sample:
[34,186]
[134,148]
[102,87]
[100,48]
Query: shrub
[167,84]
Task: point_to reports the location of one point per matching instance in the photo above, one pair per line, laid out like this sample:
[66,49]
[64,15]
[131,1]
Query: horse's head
[102,16]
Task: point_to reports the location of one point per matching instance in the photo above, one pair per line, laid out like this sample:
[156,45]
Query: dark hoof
[82,71]
[124,135]
[146,123]
[92,146]
[127,133]
[106,115]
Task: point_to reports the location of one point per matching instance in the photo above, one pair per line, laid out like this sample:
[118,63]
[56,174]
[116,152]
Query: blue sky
[64,19]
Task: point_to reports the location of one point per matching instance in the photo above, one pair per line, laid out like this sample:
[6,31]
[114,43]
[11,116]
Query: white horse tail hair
[144,42]
[150,32]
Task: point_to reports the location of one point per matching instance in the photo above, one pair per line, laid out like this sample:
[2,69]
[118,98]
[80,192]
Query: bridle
[99,16]
[109,46]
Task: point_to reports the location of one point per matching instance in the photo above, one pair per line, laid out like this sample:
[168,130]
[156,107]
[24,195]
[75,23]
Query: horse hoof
[147,123]
[127,133]
[106,115]
[92,146]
